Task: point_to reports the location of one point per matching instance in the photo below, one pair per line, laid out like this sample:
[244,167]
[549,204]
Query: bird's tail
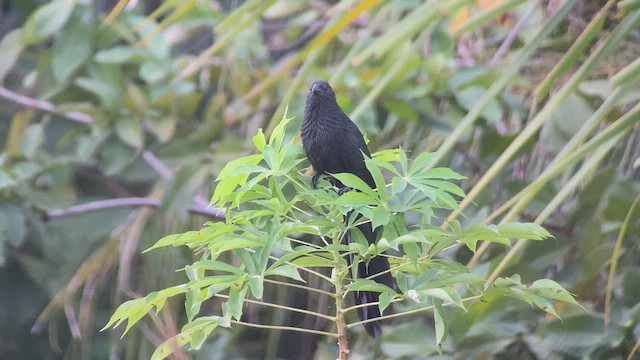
[376,269]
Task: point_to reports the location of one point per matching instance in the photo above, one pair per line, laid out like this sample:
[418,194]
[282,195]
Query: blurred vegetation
[142,103]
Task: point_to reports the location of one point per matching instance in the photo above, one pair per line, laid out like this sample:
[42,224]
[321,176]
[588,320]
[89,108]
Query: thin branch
[408,312]
[282,307]
[328,279]
[289,328]
[511,36]
[303,287]
[126,202]
[351,308]
[157,165]
[305,243]
[44,106]
[72,321]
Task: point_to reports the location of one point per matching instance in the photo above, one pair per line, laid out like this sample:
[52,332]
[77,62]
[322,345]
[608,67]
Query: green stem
[303,287]
[282,307]
[408,312]
[343,345]
[288,328]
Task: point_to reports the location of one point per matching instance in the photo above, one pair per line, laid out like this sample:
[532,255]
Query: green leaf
[215,265]
[153,72]
[33,140]
[381,216]
[288,270]
[270,157]
[354,199]
[259,140]
[413,340]
[6,181]
[372,166]
[390,155]
[47,20]
[369,285]
[552,290]
[398,185]
[384,300]
[256,285]
[404,111]
[446,186]
[263,254]
[277,136]
[355,182]
[447,294]
[119,55]
[295,253]
[169,346]
[195,332]
[468,98]
[312,261]
[196,238]
[528,231]
[440,173]
[420,163]
[402,282]
[74,44]
[12,225]
[104,81]
[227,182]
[574,334]
[441,323]
[412,251]
[237,295]
[130,131]
[479,232]
[11,46]
[193,302]
[434,278]
[130,311]
[197,339]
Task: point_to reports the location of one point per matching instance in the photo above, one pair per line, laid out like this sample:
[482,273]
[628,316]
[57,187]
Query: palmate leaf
[289,271]
[215,265]
[227,183]
[195,333]
[133,310]
[440,323]
[374,169]
[502,233]
[355,182]
[266,220]
[277,136]
[369,285]
[550,289]
[353,199]
[533,294]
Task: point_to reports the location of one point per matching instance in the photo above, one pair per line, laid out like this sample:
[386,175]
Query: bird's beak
[314,88]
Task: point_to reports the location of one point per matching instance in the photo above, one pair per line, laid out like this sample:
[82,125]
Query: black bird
[334,144]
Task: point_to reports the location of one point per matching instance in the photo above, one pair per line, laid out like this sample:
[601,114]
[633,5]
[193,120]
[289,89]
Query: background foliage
[143,103]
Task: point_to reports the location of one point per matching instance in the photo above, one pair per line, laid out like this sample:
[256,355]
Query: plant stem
[282,307]
[287,328]
[343,345]
[214,213]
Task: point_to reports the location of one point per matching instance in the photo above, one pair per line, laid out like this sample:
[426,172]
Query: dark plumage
[334,144]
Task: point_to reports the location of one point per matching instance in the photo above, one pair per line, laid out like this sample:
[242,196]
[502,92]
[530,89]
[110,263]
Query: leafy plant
[273,221]
[115,120]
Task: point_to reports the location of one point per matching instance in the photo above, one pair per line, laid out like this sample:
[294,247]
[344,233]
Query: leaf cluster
[274,220]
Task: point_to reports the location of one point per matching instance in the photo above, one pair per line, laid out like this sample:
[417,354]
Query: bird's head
[320,91]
